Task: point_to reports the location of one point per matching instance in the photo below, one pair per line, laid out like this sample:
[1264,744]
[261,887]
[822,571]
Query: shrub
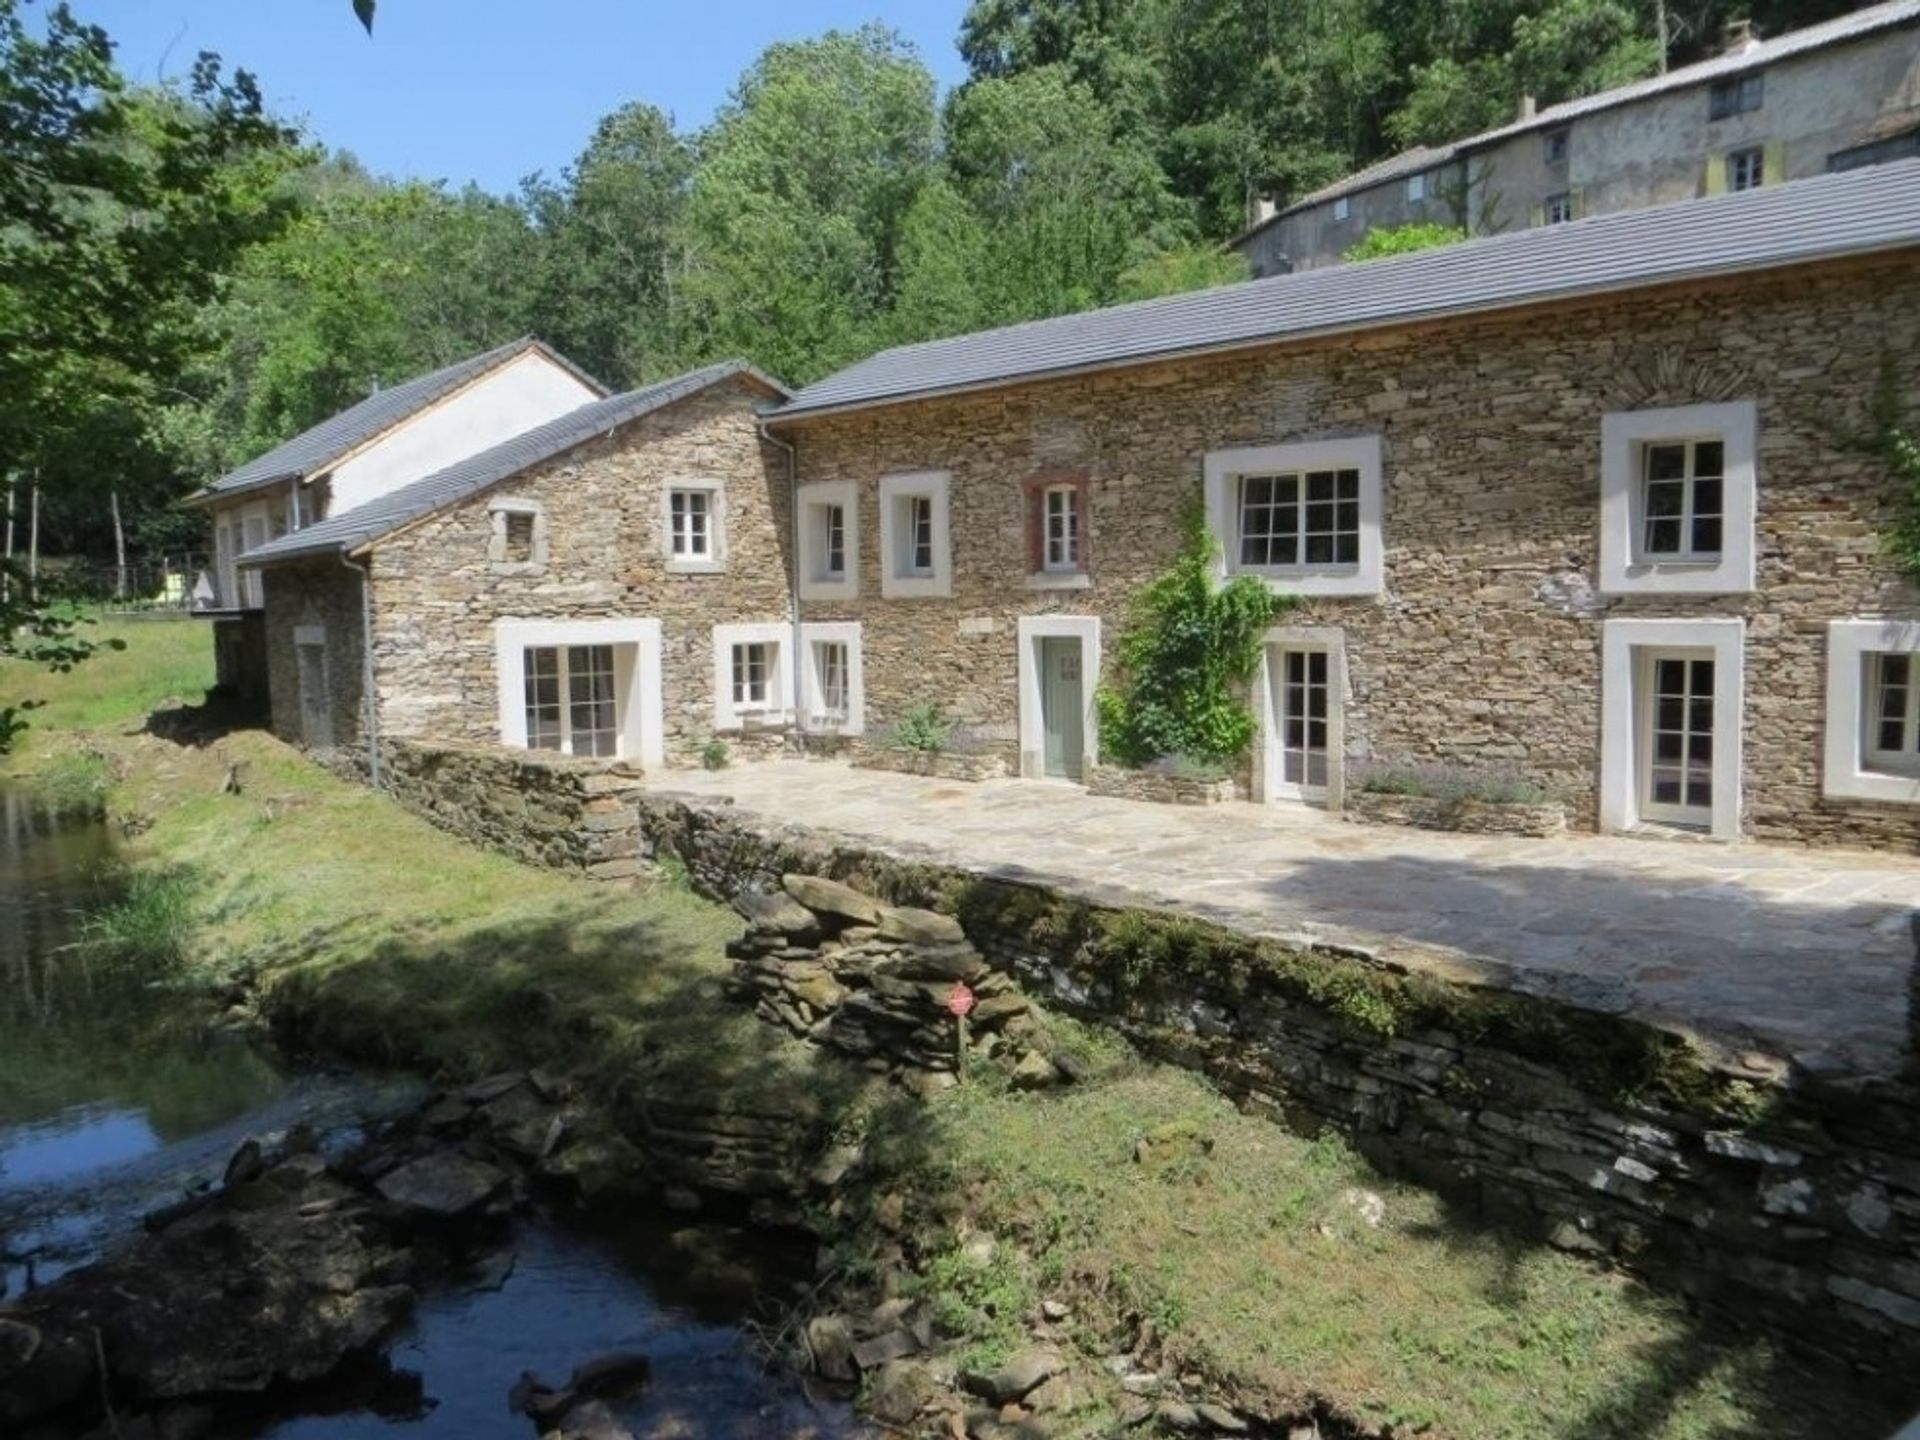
[1183,661]
[716,755]
[1188,767]
[1444,782]
[925,728]
[1403,240]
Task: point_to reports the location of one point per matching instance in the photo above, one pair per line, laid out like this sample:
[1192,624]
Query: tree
[1382,243]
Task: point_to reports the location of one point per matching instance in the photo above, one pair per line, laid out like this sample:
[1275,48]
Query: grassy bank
[1275,1265]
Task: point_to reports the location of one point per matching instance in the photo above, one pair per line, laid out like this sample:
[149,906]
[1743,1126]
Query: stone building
[571,589]
[1826,97]
[393,437]
[1589,506]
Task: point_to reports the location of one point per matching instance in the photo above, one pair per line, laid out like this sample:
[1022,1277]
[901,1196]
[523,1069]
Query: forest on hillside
[185,279]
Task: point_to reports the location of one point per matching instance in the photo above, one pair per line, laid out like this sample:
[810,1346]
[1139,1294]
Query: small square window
[1559,209]
[1738,96]
[519,534]
[1747,169]
[519,537]
[1342,208]
[1554,147]
[1416,189]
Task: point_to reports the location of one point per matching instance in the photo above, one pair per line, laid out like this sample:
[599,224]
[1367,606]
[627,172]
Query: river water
[114,1100]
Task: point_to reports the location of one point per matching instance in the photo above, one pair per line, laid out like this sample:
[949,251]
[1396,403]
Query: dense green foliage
[1183,662]
[1403,240]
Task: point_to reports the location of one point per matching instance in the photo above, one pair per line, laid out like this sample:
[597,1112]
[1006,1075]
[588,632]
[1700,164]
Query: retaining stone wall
[1119,784]
[538,806]
[1471,817]
[1796,1204]
[945,765]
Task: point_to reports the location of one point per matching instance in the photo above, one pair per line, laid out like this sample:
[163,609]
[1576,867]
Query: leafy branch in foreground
[39,629]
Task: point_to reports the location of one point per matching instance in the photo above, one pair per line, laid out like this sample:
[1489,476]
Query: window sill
[1677,577]
[1344,580]
[696,567]
[1059,580]
[847,588]
[916,587]
[519,568]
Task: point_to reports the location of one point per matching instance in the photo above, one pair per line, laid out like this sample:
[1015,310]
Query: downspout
[370,697]
[793,577]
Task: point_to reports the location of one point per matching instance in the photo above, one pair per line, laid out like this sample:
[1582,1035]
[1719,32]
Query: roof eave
[1269,341]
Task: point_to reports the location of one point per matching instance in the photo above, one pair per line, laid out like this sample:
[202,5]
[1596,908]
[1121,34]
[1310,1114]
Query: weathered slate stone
[920,927]
[1012,1381]
[778,912]
[830,897]
[443,1184]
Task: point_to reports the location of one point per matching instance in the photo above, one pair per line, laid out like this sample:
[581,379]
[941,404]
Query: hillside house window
[1305,517]
[695,523]
[1738,96]
[1559,208]
[1342,208]
[1747,169]
[914,536]
[570,699]
[1684,499]
[1678,494]
[1554,147]
[829,541]
[1416,188]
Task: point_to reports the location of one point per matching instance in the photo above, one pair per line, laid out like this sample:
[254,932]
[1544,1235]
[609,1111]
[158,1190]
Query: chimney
[1738,37]
[1260,209]
[1529,107]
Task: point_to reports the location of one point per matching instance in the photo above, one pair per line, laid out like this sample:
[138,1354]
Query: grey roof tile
[365,524]
[315,449]
[1829,216]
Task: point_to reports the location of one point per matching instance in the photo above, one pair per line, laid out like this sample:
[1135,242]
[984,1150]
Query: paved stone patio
[1788,952]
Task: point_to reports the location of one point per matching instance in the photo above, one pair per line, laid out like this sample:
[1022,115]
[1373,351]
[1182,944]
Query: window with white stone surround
[1678,491]
[915,548]
[517,543]
[1305,517]
[1873,711]
[829,541]
[832,682]
[694,526]
[583,687]
[752,678]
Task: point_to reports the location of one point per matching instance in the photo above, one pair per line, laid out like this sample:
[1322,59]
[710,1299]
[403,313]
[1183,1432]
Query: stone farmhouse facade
[1831,96]
[1586,505]
[387,440]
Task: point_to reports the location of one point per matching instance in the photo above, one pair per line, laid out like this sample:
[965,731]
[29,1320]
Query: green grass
[164,659]
[374,935]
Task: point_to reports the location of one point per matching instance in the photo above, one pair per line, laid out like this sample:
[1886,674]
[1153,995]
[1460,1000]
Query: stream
[116,1100]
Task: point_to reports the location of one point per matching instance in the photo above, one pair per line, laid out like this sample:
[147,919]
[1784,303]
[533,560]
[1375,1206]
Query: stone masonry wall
[1485,649]
[543,808]
[1795,1203]
[324,594]
[437,595]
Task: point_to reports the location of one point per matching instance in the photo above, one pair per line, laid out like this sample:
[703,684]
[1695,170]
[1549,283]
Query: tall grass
[147,931]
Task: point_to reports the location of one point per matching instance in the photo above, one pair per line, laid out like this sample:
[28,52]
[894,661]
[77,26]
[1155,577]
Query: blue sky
[491,90]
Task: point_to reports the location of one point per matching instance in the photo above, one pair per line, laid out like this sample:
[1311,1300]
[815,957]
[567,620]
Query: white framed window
[1305,517]
[1872,742]
[1559,208]
[752,684]
[581,687]
[1671,707]
[1342,208]
[915,543]
[1747,169]
[518,535]
[1416,188]
[1060,529]
[1678,494]
[694,526]
[829,541]
[832,682]
[570,703]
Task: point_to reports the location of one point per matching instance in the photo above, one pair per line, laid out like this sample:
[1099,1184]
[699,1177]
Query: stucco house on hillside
[1830,96]
[1577,502]
[391,438]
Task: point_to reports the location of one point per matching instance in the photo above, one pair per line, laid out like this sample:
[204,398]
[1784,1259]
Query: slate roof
[1837,31]
[1856,212]
[364,524]
[314,450]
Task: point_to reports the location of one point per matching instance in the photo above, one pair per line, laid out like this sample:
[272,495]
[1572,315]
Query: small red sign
[960,1002]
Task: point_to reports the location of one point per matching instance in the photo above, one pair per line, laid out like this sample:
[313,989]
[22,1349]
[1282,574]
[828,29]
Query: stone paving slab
[1793,953]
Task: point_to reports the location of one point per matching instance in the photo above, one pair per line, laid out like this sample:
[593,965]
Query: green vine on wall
[1892,434]
[1182,664]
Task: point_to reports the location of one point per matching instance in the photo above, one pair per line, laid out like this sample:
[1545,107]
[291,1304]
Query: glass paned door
[591,726]
[1301,703]
[1676,772]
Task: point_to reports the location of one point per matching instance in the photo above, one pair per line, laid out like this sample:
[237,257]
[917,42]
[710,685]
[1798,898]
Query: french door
[1300,704]
[1676,736]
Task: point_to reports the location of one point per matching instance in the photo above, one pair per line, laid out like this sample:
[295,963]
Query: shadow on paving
[1734,963]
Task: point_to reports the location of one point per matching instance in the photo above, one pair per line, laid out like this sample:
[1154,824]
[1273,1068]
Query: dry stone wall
[1796,1201]
[1470,817]
[1484,652]
[1149,785]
